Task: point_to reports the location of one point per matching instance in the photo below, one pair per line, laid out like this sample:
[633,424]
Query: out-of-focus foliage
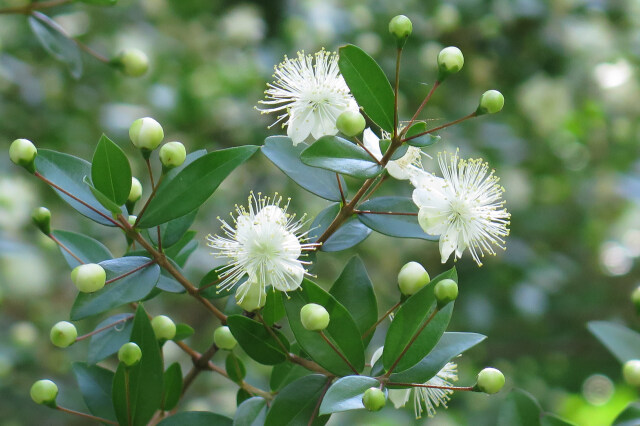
[566,147]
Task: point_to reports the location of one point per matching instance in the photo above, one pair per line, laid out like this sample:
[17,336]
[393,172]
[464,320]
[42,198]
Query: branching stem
[85,415]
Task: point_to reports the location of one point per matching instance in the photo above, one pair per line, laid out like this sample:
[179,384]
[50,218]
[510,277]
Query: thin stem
[106,327]
[344,201]
[386,314]
[26,10]
[85,415]
[128,396]
[336,350]
[413,339]
[396,90]
[361,145]
[435,129]
[418,385]
[388,213]
[204,287]
[420,108]
[91,52]
[65,248]
[146,204]
[376,187]
[133,271]
[272,333]
[322,394]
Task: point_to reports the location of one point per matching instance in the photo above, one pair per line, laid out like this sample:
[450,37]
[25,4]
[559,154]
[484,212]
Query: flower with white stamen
[402,168]
[308,96]
[265,244]
[465,207]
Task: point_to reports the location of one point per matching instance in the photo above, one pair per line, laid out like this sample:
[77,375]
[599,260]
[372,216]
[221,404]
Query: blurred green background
[565,145]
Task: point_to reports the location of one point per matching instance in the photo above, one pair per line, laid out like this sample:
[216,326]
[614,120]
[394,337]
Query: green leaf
[110,171]
[273,310]
[196,418]
[553,420]
[55,41]
[342,330]
[172,387]
[350,233]
[256,341]
[106,202]
[296,403]
[354,290]
[346,394]
[173,231]
[95,385]
[241,396]
[630,416]
[368,84]
[68,172]
[191,187]
[450,346]
[398,153]
[281,151]
[181,251]
[341,156]
[132,288]
[182,332]
[86,248]
[421,141]
[519,409]
[285,373]
[401,226]
[212,292]
[109,341]
[621,341]
[407,322]
[235,368]
[252,412]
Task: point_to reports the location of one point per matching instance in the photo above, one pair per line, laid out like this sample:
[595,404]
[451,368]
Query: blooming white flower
[312,96]
[402,168]
[264,244]
[465,207]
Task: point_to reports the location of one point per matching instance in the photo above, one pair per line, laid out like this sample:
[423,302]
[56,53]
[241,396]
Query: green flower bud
[635,298]
[41,217]
[314,317]
[132,219]
[44,392]
[146,134]
[374,399]
[223,338]
[136,191]
[89,277]
[129,354]
[491,102]
[450,61]
[254,298]
[490,380]
[351,123]
[446,291]
[133,62]
[23,152]
[172,154]
[631,372]
[63,334]
[163,327]
[412,277]
[400,27]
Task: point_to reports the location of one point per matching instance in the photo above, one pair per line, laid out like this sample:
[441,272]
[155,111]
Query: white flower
[312,96]
[402,168]
[264,244]
[465,207]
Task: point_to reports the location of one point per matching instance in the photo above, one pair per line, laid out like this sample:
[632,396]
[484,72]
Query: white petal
[397,171]
[300,125]
[399,397]
[372,143]
[292,275]
[291,246]
[272,214]
[448,243]
[432,221]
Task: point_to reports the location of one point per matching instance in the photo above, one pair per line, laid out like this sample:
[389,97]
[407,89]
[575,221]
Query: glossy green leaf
[196,418]
[132,288]
[297,402]
[553,420]
[212,291]
[281,151]
[256,341]
[424,140]
[106,202]
[167,283]
[369,85]
[630,416]
[110,171]
[109,341]
[174,230]
[342,330]
[285,373]
[241,396]
[56,42]
[180,251]
[408,321]
[95,385]
[192,186]
[398,153]
[172,391]
[235,368]
[251,412]
[401,226]
[350,233]
[621,341]
[346,394]
[85,248]
[519,409]
[183,331]
[273,310]
[341,156]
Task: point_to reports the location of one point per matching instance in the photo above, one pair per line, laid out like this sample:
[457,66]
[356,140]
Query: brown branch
[65,248]
[322,394]
[422,105]
[85,415]
[344,201]
[387,213]
[146,204]
[361,145]
[435,129]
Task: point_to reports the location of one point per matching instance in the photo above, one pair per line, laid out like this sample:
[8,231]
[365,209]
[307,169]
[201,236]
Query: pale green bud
[89,277]
[133,62]
[400,27]
[491,102]
[44,392]
[250,296]
[223,338]
[631,372]
[132,219]
[136,191]
[129,354]
[351,123]
[314,317]
[146,133]
[490,380]
[412,277]
[450,61]
[445,291]
[163,327]
[41,217]
[23,153]
[374,399]
[172,154]
[63,334]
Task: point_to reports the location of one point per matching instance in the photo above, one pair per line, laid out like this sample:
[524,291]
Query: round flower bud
[22,152]
[133,62]
[129,354]
[132,219]
[314,317]
[351,123]
[631,372]
[172,154]
[63,334]
[445,291]
[146,133]
[136,191]
[163,327]
[400,27]
[41,217]
[450,61]
[490,380]
[491,102]
[635,298]
[89,277]
[412,277]
[374,399]
[255,297]
[223,338]
[44,392]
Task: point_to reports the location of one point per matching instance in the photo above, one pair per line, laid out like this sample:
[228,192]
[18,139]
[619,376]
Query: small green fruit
[491,102]
[631,372]
[44,392]
[445,291]
[136,191]
[23,152]
[41,217]
[146,134]
[223,338]
[400,27]
[89,277]
[374,399]
[450,61]
[172,154]
[314,317]
[490,380]
[351,123]
[63,334]
[254,297]
[412,277]
[163,327]
[133,62]
[129,354]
